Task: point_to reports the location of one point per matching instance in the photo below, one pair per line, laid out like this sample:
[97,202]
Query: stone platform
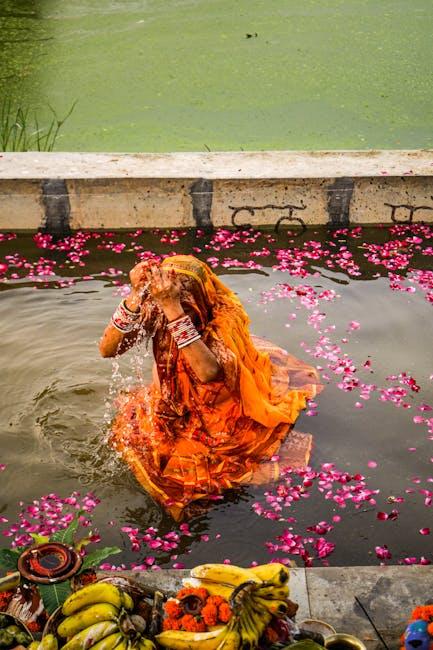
[387,593]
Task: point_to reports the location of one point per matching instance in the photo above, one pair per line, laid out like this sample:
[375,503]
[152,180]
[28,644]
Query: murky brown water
[55,389]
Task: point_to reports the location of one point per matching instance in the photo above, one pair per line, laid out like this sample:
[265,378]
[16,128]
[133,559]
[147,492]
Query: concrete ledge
[217,166]
[59,191]
[387,593]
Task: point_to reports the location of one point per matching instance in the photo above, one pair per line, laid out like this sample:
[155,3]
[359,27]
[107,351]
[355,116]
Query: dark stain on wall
[339,197]
[201,192]
[57,208]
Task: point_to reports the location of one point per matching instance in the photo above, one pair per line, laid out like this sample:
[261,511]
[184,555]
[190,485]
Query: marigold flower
[423,612]
[88,577]
[191,624]
[173,609]
[216,600]
[210,613]
[5,597]
[171,624]
[33,626]
[430,629]
[224,613]
[202,593]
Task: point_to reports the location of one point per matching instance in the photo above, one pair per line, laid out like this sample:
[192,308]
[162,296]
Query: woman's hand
[140,277]
[165,290]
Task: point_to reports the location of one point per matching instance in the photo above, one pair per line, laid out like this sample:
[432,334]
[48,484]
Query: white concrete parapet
[58,191]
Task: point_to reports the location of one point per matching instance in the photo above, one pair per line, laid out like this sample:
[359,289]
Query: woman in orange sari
[221,403]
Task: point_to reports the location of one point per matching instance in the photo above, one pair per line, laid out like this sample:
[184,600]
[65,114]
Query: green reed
[20,129]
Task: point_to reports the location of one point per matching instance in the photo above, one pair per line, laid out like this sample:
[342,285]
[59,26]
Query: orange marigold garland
[423,613]
[173,609]
[192,623]
[214,610]
[224,613]
[210,614]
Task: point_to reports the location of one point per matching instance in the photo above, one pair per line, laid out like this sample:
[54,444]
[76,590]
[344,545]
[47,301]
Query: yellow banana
[274,572]
[278,608]
[123,645]
[110,642]
[261,614]
[269,591]
[177,640]
[49,642]
[145,644]
[91,635]
[98,592]
[232,639]
[86,617]
[214,588]
[224,573]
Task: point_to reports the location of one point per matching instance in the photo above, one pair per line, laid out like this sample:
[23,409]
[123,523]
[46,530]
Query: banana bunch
[255,596]
[99,617]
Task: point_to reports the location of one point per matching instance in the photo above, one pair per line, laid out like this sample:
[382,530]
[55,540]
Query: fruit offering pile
[100,616]
[11,634]
[225,607]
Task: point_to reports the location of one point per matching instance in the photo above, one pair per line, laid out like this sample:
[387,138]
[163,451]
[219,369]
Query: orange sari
[186,441]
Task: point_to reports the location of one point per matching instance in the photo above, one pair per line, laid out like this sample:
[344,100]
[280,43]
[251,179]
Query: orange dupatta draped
[185,440]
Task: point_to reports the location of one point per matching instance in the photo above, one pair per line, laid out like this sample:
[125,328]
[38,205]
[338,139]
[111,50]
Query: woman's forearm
[202,361]
[113,341]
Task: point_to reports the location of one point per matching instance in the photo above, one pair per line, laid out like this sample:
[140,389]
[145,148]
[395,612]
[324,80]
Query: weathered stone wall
[58,192]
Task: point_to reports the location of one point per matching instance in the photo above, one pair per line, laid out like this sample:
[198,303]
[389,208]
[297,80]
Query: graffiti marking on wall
[411,209]
[252,209]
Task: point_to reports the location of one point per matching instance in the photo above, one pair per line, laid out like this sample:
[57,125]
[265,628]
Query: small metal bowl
[341,641]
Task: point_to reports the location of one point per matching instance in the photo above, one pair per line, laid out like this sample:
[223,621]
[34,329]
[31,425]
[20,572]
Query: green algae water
[192,75]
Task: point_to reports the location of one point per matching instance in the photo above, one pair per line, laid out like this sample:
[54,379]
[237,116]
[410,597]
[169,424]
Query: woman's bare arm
[113,341]
[164,290]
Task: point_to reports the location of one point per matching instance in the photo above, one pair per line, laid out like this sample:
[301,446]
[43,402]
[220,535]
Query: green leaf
[66,536]
[93,560]
[8,559]
[53,596]
[39,539]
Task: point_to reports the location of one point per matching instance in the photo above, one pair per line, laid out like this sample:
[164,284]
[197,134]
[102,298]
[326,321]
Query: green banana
[110,642]
[179,640]
[86,617]
[90,635]
[49,642]
[97,592]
